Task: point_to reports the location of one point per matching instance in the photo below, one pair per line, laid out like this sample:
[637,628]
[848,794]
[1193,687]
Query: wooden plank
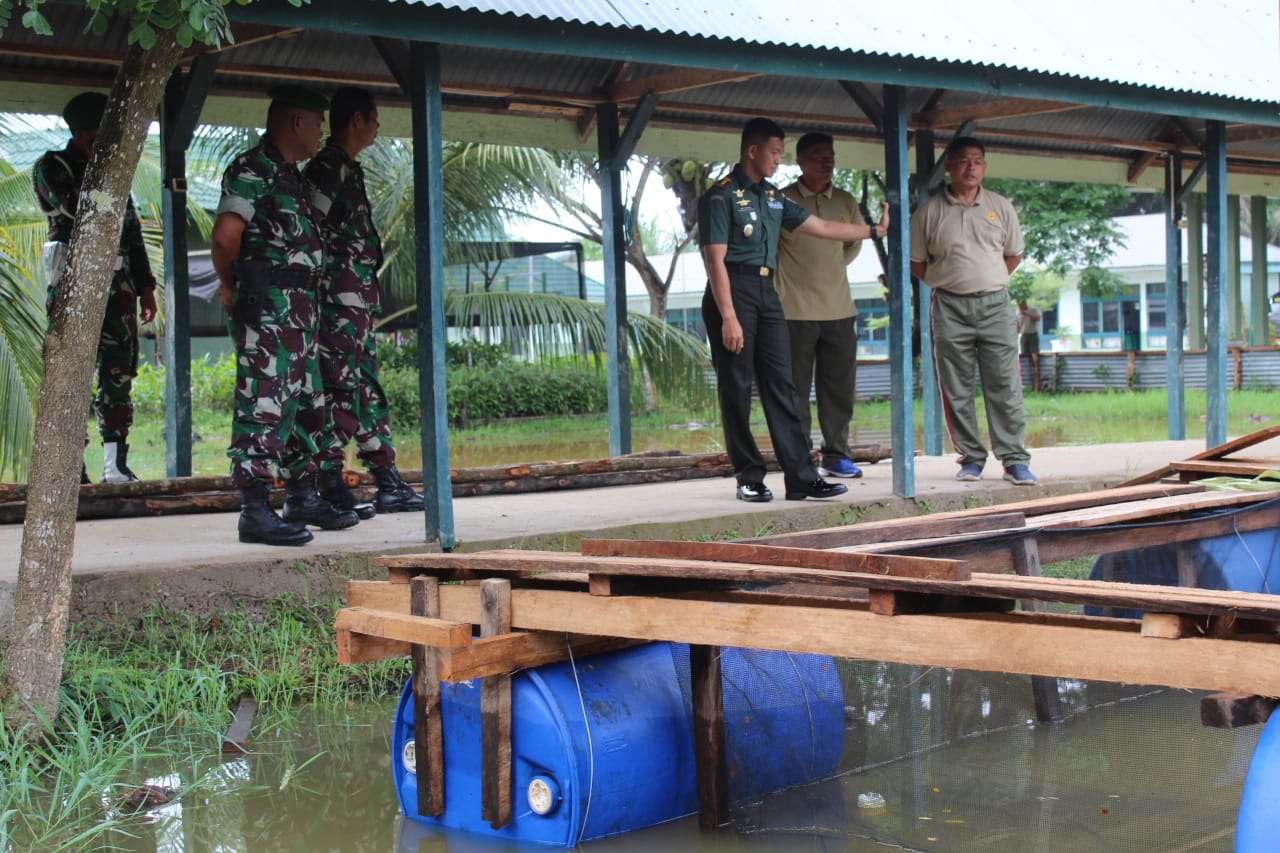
[995,517]
[508,653]
[438,633]
[428,729]
[1224,467]
[524,562]
[710,761]
[1218,452]
[1148,509]
[1172,626]
[495,710]
[361,648]
[1232,711]
[238,735]
[1025,643]
[1084,542]
[771,555]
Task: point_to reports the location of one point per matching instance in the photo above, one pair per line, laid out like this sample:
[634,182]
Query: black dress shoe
[756,493]
[815,489]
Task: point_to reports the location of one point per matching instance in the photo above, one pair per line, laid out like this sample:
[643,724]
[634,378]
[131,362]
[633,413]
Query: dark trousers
[824,356]
[766,359]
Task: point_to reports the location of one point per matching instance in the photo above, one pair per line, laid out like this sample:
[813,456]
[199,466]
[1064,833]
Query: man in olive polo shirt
[739,220]
[965,243]
[822,321]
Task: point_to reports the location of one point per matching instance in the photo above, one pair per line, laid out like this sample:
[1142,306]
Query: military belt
[749,269]
[298,279]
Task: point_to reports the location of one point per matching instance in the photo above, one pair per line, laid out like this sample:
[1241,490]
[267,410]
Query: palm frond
[21,335]
[548,325]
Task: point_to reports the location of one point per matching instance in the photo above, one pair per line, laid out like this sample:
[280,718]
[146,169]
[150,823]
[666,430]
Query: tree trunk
[30,687]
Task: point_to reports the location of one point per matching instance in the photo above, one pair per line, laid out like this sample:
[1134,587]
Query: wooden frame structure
[941,590]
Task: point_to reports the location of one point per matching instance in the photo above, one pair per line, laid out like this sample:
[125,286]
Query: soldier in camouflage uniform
[57,177]
[268,254]
[348,304]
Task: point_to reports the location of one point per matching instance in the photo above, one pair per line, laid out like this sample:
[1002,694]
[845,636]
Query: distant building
[1075,323]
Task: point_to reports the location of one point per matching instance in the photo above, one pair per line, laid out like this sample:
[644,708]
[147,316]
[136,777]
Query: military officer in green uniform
[57,177]
[268,254]
[739,220]
[349,302]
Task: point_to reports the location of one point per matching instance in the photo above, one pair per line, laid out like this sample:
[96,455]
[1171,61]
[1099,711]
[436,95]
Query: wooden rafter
[677,80]
[943,117]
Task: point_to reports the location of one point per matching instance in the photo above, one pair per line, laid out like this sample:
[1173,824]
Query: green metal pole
[1259,303]
[1235,301]
[930,401]
[1173,299]
[1195,271]
[179,113]
[615,280]
[1216,301]
[428,165]
[901,385]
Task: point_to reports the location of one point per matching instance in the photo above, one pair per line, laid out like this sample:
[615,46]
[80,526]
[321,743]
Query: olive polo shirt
[812,281]
[965,244]
[747,217]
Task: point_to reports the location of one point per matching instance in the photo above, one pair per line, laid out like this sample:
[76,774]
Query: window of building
[1103,319]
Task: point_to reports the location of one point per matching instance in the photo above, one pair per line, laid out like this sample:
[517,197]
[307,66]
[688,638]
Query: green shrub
[213,385]
[508,390]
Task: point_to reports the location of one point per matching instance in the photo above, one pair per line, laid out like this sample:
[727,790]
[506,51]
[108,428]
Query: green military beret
[300,97]
[84,111]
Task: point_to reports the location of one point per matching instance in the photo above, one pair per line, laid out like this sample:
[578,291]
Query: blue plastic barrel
[1258,821]
[604,745]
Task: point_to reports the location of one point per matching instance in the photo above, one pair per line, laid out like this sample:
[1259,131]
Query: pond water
[955,757]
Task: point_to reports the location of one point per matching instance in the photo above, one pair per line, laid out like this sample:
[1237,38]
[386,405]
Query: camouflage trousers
[357,402]
[280,419]
[117,364]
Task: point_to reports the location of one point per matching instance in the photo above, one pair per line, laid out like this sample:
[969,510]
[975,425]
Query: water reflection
[955,756]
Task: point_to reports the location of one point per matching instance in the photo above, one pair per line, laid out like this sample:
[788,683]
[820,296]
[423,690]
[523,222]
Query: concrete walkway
[194,562]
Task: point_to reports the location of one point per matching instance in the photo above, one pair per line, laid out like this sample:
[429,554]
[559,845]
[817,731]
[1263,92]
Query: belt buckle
[764,272]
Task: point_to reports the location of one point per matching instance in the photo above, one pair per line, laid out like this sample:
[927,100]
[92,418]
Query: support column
[615,280]
[1259,301]
[1195,271]
[930,402]
[1235,301]
[179,113]
[1215,284]
[901,375]
[428,159]
[1173,298]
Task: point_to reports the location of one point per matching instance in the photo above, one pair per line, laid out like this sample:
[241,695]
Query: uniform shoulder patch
[723,182]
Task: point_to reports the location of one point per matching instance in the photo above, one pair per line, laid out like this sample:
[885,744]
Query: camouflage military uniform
[57,177]
[348,304]
[279,404]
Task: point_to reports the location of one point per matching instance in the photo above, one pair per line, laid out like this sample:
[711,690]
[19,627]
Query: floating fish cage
[604,745]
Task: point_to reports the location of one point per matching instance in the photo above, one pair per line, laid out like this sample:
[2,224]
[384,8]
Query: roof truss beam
[677,80]
[940,118]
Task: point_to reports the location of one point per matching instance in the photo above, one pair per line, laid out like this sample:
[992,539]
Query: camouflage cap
[300,97]
[84,111]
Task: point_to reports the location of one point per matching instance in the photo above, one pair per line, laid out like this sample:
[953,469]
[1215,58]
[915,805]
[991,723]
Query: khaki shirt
[813,282]
[965,245]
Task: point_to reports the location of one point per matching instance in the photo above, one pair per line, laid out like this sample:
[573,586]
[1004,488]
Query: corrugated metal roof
[1226,48]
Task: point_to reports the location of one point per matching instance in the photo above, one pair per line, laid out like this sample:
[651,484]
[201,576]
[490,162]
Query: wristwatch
[874,231]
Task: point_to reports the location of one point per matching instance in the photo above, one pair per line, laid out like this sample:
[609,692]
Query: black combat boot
[333,488]
[302,503]
[394,494]
[259,522]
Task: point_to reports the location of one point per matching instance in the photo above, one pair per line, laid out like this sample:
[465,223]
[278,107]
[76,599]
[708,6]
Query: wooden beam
[709,758]
[495,711]
[1218,452]
[769,555]
[1139,164]
[986,111]
[428,730]
[866,101]
[521,650]
[1014,642]
[677,80]
[437,633]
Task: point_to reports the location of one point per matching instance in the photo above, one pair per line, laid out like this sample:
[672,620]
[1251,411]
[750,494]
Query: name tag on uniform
[775,205]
